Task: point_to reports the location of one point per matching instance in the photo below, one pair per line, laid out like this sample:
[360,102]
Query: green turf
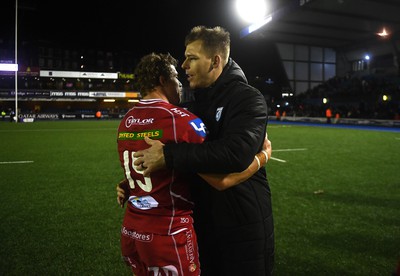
[59,214]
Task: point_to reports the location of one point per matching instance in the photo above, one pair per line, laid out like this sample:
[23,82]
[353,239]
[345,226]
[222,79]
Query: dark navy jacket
[235,226]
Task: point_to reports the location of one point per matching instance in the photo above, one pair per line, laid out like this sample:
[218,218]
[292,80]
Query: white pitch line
[15,162]
[277,159]
[281,160]
[289,149]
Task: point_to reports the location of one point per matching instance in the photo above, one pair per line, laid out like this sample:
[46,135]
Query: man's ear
[216,61]
[162,80]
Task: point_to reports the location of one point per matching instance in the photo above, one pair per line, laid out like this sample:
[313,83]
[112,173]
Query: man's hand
[267,146]
[225,181]
[122,192]
[150,159]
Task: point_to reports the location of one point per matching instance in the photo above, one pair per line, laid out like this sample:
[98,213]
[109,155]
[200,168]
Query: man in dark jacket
[235,226]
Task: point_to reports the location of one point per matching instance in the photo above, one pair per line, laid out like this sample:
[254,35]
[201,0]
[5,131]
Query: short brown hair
[215,40]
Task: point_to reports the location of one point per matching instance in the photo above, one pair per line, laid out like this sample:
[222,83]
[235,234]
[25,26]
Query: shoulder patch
[198,125]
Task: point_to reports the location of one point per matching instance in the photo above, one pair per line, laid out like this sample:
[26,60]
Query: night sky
[138,26]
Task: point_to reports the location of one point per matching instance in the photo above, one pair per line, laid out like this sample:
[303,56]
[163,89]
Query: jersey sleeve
[190,128]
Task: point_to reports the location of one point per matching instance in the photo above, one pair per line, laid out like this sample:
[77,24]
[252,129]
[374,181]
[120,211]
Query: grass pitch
[336,199]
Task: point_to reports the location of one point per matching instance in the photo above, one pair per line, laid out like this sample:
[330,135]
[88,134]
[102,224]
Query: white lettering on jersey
[147,185]
[179,112]
[137,121]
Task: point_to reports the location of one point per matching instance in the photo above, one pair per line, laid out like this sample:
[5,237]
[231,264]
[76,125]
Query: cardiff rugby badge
[218,113]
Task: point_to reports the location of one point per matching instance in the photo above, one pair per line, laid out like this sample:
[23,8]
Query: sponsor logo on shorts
[190,250]
[147,237]
[192,267]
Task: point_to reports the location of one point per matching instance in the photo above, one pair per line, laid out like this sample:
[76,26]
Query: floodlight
[251,10]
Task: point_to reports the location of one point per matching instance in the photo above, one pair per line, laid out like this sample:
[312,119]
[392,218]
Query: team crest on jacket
[218,113]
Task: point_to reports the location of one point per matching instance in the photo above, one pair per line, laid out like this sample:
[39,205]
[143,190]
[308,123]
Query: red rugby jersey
[158,203]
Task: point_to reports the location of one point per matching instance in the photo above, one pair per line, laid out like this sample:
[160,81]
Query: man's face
[173,88]
[198,66]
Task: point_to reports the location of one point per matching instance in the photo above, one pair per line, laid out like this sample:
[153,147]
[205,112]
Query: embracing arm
[232,143]
[240,137]
[225,181]
[218,181]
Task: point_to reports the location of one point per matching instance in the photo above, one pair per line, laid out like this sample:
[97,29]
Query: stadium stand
[321,46]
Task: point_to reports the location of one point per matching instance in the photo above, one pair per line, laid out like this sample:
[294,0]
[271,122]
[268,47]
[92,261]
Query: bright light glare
[11,67]
[251,10]
[383,33]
